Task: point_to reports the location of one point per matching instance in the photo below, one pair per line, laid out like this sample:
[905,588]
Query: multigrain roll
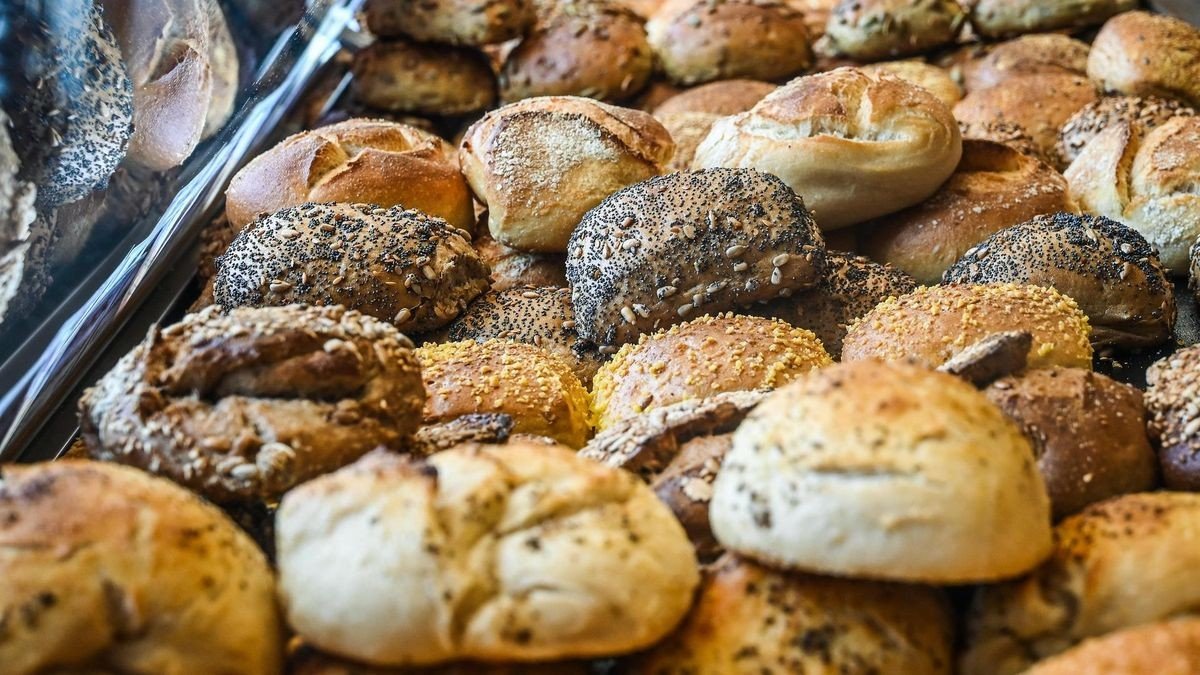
[1109,269]
[147,575]
[592,48]
[932,324]
[538,316]
[1171,399]
[1009,133]
[1145,181]
[751,619]
[1144,113]
[913,475]
[705,356]
[1144,54]
[1026,55]
[1123,562]
[537,389]
[870,30]
[243,405]
[1024,100]
[400,266]
[997,18]
[727,97]
[895,151]
[1160,648]
[423,79]
[700,41]
[994,187]
[539,165]
[521,552]
[933,78]
[659,252]
[455,22]
[512,268]
[851,287]
[1088,433]
[361,161]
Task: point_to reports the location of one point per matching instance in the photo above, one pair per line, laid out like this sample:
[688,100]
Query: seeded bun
[998,18]
[870,30]
[539,165]
[1145,181]
[1109,269]
[423,79]
[994,187]
[1160,648]
[1171,401]
[537,389]
[1122,562]
[851,287]
[591,48]
[514,269]
[1023,100]
[933,78]
[700,41]
[849,167]
[360,161]
[1051,53]
[148,576]
[455,22]
[243,405]
[538,316]
[679,245]
[932,324]
[912,475]
[1088,433]
[521,552]
[1087,123]
[1145,54]
[705,356]
[400,266]
[727,97]
[1009,133]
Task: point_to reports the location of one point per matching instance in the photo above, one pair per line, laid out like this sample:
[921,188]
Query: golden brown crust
[1026,55]
[933,78]
[496,376]
[107,565]
[994,187]
[998,18]
[361,161]
[870,30]
[1171,399]
[423,79]
[1161,648]
[1008,133]
[512,268]
[456,22]
[727,97]
[932,324]
[704,40]
[688,130]
[1089,121]
[308,661]
[1144,54]
[242,405]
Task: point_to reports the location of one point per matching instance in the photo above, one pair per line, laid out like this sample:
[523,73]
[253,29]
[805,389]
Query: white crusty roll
[522,552]
[853,145]
[541,163]
[105,569]
[887,471]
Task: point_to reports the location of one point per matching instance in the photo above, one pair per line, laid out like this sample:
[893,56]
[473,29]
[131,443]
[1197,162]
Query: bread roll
[655,93]
[1087,122]
[1107,268]
[1161,648]
[997,18]
[496,376]
[361,161]
[400,266]
[455,22]
[912,475]
[751,619]
[936,80]
[659,252]
[1123,562]
[514,269]
[539,165]
[522,552]
[1171,401]
[1024,100]
[23,236]
[727,97]
[592,48]
[895,151]
[1144,54]
[308,661]
[688,130]
[994,187]
[932,324]
[1009,133]
[705,356]
[1088,433]
[242,405]
[1146,182]
[700,41]
[107,569]
[423,79]
[870,30]
[1051,53]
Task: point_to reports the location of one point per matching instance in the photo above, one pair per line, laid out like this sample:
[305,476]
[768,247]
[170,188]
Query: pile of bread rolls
[756,376]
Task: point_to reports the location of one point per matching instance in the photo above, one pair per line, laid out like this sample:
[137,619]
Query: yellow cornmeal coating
[933,323]
[705,356]
[497,376]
